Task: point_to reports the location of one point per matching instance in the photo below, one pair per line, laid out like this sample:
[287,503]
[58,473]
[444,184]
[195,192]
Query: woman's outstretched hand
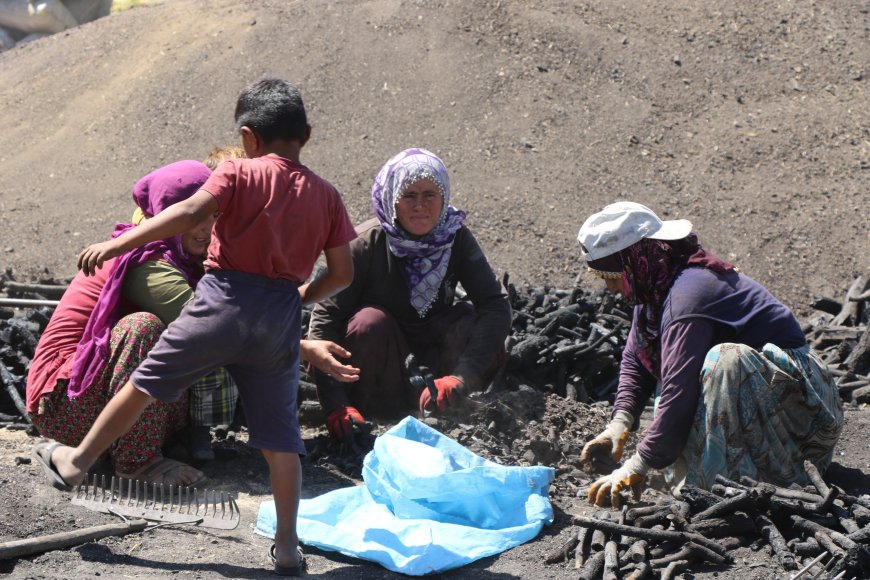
[630,476]
[94,255]
[322,355]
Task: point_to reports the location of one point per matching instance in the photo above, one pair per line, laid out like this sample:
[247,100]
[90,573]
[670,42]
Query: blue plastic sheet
[427,505]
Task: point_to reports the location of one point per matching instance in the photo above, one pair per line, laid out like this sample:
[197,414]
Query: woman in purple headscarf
[408,261]
[106,324]
[738,391]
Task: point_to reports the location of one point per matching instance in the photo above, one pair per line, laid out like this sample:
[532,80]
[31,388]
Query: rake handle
[19,548]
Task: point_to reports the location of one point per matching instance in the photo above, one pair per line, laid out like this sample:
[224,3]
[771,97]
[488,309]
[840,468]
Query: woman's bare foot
[162,470]
[63,466]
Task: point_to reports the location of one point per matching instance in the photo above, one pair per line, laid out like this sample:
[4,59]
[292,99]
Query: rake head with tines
[177,504]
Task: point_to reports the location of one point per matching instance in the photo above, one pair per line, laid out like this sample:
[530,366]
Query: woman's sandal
[42,454]
[157,472]
[296,570]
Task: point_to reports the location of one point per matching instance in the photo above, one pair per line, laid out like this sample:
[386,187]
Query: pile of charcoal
[841,336]
[567,342]
[24,314]
[814,533]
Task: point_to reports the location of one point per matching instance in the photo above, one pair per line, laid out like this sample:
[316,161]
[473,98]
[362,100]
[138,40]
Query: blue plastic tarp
[427,505]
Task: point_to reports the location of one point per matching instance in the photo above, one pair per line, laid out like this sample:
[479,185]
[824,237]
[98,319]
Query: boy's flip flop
[42,454]
[296,570]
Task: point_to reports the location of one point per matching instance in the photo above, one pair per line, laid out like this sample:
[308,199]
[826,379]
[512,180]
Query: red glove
[449,389]
[338,421]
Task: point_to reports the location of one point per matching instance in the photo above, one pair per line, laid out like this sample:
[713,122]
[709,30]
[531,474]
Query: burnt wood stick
[662,549]
[593,567]
[860,514]
[827,503]
[851,385]
[651,534]
[770,533]
[626,568]
[730,543]
[599,340]
[842,514]
[611,562]
[810,547]
[726,491]
[48,291]
[783,508]
[851,500]
[743,502]
[673,569]
[812,528]
[636,512]
[679,516]
[560,552]
[622,520]
[551,327]
[566,316]
[637,552]
[724,481]
[862,536]
[848,316]
[693,553]
[782,491]
[599,536]
[658,518]
[735,524]
[828,544]
[570,333]
[816,478]
[699,499]
[64,540]
[641,571]
[9,385]
[571,392]
[583,535]
[599,539]
[859,359]
[828,305]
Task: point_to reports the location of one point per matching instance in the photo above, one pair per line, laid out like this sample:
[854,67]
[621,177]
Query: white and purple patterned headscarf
[426,258]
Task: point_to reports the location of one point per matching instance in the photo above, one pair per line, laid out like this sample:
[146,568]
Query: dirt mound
[751,119]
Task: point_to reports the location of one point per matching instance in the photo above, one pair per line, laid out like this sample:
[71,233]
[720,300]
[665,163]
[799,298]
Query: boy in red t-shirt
[275,217]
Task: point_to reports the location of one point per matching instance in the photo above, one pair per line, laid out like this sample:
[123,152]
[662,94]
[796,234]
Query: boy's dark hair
[272,108]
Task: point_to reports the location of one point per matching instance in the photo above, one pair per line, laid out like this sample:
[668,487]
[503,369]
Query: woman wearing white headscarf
[408,261]
[738,390]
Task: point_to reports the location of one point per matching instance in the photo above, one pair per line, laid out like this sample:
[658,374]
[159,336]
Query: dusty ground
[750,118]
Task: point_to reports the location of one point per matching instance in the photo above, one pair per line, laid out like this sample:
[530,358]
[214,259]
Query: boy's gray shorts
[249,324]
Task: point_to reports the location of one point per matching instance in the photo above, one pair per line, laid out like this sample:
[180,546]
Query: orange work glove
[612,439]
[338,422]
[449,388]
[632,475]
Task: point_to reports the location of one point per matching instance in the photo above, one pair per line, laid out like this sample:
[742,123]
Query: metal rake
[178,505]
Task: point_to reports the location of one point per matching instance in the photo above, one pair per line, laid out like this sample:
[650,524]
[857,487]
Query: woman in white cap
[739,393]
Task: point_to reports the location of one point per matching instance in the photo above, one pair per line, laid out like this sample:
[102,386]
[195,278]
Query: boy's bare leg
[114,420]
[285,473]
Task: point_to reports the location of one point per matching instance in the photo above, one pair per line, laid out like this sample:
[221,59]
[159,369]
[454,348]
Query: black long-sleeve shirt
[379,280]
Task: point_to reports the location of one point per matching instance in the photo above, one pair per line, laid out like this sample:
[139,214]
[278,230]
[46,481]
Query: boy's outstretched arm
[337,277]
[173,220]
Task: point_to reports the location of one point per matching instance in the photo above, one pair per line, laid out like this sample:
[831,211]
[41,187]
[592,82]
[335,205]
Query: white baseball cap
[622,224]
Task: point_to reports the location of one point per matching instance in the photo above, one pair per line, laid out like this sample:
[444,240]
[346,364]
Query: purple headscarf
[650,268]
[153,193]
[426,258]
